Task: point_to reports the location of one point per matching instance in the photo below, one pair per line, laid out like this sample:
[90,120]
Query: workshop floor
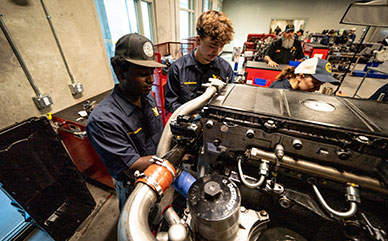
[102,223]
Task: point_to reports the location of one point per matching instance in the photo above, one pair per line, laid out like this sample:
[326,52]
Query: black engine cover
[350,134]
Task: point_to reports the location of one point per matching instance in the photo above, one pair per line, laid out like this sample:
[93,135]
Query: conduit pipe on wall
[41,100]
[75,87]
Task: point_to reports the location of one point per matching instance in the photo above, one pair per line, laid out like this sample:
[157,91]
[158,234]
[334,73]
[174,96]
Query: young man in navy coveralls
[125,127]
[189,72]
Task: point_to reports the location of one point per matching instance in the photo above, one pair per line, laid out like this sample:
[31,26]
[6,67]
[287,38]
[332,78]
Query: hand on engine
[341,93]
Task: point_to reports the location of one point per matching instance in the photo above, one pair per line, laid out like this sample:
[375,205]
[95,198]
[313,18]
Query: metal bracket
[76,88]
[42,101]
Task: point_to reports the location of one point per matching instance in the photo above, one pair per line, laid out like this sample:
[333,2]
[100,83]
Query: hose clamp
[164,163]
[152,182]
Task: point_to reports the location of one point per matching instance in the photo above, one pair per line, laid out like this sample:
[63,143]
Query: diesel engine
[268,164]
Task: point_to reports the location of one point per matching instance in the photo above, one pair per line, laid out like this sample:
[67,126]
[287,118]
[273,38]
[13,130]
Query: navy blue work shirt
[121,132]
[281,84]
[352,37]
[325,40]
[281,55]
[186,77]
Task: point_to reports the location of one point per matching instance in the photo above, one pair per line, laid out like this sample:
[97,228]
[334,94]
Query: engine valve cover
[347,133]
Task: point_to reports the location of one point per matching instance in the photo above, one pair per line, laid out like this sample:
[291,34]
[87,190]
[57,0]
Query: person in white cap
[308,76]
[125,127]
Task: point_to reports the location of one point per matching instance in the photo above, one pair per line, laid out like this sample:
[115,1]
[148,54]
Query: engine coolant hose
[183,183]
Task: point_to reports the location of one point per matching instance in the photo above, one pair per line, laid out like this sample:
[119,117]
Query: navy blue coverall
[281,84]
[185,78]
[121,133]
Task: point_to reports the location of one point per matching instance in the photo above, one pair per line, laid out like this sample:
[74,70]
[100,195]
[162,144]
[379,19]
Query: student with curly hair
[189,72]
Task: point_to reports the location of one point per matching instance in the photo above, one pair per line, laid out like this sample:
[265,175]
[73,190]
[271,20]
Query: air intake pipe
[186,109]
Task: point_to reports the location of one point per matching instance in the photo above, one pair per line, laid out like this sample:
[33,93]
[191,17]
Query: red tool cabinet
[315,49]
[260,74]
[175,50]
[72,132]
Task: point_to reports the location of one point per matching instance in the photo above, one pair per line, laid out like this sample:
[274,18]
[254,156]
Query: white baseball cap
[320,69]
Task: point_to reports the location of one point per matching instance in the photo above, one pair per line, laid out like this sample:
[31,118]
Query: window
[186,18]
[212,5]
[132,16]
[120,17]
[219,7]
[117,17]
[207,5]
[146,13]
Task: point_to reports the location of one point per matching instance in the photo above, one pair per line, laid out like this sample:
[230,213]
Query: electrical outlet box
[42,101]
[76,88]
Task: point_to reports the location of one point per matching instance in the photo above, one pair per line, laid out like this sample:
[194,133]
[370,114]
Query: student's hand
[340,93]
[188,158]
[272,63]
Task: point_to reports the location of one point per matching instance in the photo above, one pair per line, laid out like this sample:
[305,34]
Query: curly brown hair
[215,25]
[287,72]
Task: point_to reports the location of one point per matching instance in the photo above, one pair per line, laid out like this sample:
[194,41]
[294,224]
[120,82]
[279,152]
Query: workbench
[260,74]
